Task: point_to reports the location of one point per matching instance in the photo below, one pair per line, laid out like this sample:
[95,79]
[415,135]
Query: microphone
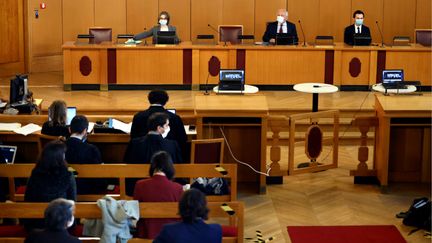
[219,33]
[304,37]
[379,29]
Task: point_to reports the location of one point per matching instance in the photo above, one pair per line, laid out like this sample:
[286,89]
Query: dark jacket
[154,32]
[196,232]
[55,130]
[48,236]
[156,189]
[271,31]
[349,33]
[141,149]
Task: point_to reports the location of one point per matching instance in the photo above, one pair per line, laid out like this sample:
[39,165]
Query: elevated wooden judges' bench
[117,66]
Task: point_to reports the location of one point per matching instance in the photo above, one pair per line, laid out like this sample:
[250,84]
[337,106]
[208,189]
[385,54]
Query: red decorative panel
[355,67]
[85,65]
[214,66]
[313,143]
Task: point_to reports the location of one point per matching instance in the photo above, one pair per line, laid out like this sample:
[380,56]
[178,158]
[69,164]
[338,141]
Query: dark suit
[48,236]
[55,130]
[177,131]
[349,33]
[156,189]
[196,232]
[272,30]
[154,32]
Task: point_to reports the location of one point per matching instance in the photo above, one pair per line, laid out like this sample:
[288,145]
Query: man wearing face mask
[281,26]
[163,25]
[357,29]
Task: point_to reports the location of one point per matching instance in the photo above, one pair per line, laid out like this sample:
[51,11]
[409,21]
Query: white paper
[125,127]
[28,129]
[9,126]
[90,127]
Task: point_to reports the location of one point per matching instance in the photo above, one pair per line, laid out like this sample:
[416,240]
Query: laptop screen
[231,75]
[392,76]
[7,154]
[172,110]
[71,113]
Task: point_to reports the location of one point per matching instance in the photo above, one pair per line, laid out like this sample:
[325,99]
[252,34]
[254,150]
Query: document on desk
[9,127]
[28,129]
[125,127]
[90,127]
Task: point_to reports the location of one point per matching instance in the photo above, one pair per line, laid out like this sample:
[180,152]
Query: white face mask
[280,19]
[163,22]
[359,21]
[71,222]
[167,130]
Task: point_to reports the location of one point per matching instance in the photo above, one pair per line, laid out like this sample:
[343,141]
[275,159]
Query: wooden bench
[123,171]
[147,210]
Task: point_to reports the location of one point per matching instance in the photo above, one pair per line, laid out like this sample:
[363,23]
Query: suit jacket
[349,33]
[196,232]
[156,189]
[271,31]
[153,32]
[48,236]
[57,130]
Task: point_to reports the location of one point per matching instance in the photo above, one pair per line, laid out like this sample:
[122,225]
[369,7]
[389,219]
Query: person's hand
[272,40]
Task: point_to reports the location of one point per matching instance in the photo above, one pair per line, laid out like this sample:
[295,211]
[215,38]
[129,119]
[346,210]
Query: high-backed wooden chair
[230,33]
[100,34]
[423,36]
[44,139]
[207,151]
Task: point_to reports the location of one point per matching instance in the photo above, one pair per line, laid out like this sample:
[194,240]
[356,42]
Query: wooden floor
[323,198]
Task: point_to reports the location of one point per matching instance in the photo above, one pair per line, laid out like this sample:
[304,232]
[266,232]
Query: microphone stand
[145,39]
[219,33]
[206,85]
[381,34]
[304,37]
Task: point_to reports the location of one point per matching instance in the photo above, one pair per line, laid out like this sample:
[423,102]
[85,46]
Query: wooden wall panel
[179,11]
[111,13]
[204,12]
[373,10]
[78,16]
[399,19]
[9,36]
[46,31]
[335,15]
[239,12]
[307,11]
[141,14]
[265,11]
[423,14]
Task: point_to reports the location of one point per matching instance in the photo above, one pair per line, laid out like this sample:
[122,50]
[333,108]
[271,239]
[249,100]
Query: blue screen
[391,76]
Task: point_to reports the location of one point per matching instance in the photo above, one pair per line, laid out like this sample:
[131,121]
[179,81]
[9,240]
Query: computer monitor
[360,40]
[7,154]
[231,79]
[172,110]
[18,89]
[166,37]
[392,76]
[286,39]
[71,113]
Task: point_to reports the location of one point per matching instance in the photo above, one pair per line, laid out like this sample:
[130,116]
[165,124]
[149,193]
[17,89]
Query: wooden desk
[243,121]
[403,138]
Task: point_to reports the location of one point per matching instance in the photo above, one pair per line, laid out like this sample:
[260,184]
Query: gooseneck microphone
[379,29]
[304,37]
[145,39]
[219,33]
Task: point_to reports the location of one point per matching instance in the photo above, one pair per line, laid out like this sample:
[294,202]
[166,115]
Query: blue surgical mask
[359,21]
[163,22]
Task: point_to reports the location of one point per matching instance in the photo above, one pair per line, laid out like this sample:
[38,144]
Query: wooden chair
[423,37]
[230,33]
[100,34]
[207,151]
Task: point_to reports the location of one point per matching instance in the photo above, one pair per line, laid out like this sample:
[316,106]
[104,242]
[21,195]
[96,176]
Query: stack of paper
[125,127]
[28,129]
[10,127]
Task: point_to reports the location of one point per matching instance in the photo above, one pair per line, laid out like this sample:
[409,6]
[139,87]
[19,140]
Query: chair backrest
[100,34]
[423,36]
[230,33]
[207,151]
[45,139]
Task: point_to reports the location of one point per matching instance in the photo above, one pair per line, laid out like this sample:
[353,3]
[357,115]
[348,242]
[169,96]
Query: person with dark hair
[59,215]
[50,179]
[159,188]
[157,100]
[356,29]
[56,124]
[163,25]
[193,211]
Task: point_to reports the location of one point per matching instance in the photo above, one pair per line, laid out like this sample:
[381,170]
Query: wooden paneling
[363,76]
[143,66]
[416,65]
[307,11]
[141,14]
[399,19]
[373,10]
[204,12]
[78,16]
[111,13]
[204,57]
[9,36]
[334,15]
[94,76]
[423,14]
[179,11]
[265,11]
[239,12]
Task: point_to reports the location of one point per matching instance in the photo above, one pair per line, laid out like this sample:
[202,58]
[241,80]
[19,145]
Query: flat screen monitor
[18,89]
[360,40]
[231,79]
[71,113]
[7,154]
[286,39]
[392,76]
[166,37]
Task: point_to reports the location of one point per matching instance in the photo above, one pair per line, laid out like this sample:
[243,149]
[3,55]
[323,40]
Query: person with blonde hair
[56,124]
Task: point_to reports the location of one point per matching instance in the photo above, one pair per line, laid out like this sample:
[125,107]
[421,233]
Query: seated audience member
[157,100]
[163,25]
[59,215]
[357,29]
[159,188]
[56,124]
[50,179]
[193,211]
[281,26]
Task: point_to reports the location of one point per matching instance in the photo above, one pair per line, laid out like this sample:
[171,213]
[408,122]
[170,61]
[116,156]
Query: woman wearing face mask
[357,29]
[163,25]
[281,26]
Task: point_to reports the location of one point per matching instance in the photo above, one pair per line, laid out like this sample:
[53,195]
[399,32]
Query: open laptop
[71,113]
[393,79]
[7,154]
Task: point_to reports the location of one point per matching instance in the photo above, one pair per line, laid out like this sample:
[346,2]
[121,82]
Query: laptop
[70,114]
[393,79]
[361,40]
[7,154]
[286,39]
[166,38]
[231,80]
